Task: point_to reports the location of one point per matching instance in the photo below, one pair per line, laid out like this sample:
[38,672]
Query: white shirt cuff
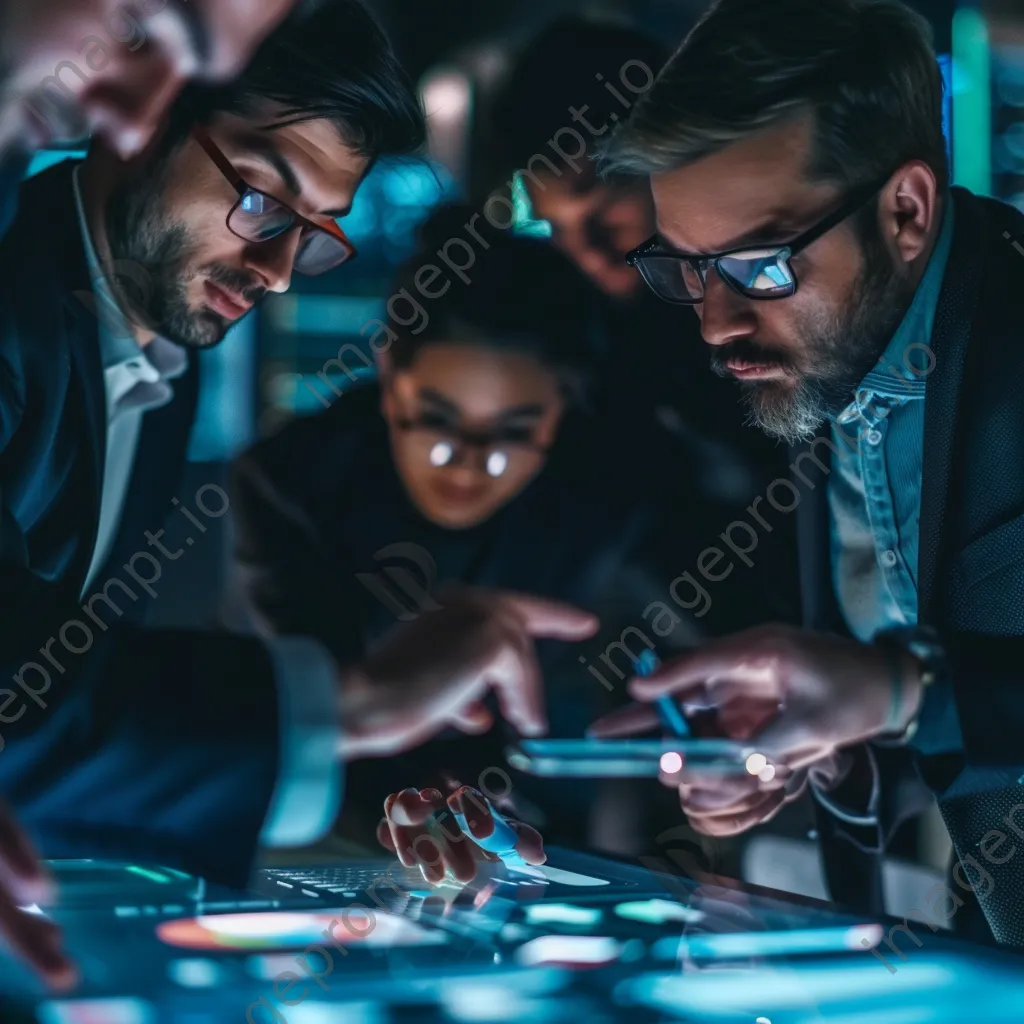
[308,793]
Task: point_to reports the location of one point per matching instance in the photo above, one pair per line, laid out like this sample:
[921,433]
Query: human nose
[724,315]
[274,259]
[128,109]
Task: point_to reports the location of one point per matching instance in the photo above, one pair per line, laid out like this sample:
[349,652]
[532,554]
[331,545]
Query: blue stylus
[502,841]
[669,712]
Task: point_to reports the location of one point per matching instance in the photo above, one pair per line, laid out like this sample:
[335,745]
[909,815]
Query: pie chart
[283,931]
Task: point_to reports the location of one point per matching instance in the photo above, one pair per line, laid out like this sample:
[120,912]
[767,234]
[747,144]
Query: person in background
[462,463]
[69,68]
[191,748]
[871,314]
[662,401]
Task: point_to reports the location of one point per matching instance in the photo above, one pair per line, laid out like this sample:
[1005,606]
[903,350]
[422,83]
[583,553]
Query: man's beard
[151,255]
[840,349]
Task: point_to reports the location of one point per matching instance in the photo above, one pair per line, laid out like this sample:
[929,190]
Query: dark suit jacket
[969,748]
[143,744]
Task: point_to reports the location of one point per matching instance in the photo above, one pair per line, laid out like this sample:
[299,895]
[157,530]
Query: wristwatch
[922,643]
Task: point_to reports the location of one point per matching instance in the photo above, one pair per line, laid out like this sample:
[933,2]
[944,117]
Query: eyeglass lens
[759,274]
[446,446]
[258,218]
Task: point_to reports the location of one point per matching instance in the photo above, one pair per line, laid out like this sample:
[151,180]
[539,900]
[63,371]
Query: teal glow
[972,120]
[562,913]
[658,912]
[48,157]
[153,876]
[523,223]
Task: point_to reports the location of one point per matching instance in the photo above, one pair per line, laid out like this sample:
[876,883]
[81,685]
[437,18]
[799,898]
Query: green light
[153,876]
[523,223]
[972,98]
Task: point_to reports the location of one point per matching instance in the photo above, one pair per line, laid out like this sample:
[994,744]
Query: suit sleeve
[151,745]
[969,744]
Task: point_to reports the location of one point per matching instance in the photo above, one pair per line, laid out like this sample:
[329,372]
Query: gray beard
[843,349]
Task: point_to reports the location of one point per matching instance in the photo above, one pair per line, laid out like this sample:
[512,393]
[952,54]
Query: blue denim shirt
[874,490]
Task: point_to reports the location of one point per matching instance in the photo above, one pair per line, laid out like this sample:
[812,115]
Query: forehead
[759,181]
[481,379]
[328,171]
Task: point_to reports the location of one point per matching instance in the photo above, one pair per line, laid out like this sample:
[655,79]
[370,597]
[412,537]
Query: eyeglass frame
[243,188]
[853,202]
[462,439]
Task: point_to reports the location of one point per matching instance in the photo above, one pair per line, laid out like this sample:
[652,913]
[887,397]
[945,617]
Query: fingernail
[431,794]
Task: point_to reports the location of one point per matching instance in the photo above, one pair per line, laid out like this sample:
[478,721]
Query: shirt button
[889,558]
[874,436]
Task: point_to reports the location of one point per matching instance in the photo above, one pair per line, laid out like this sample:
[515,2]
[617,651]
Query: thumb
[792,739]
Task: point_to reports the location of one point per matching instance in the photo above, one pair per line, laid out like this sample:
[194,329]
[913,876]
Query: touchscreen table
[580,938]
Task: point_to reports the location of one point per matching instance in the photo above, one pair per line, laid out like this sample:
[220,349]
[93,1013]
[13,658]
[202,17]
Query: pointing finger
[545,618]
[516,679]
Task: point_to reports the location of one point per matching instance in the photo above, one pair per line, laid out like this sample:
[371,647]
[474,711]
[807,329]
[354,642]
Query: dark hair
[558,69]
[865,69]
[522,295]
[329,59]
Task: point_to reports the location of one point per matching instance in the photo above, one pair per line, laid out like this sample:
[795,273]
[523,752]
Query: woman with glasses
[469,459]
[456,448]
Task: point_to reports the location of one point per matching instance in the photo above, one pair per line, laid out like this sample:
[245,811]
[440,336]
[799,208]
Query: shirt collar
[902,370]
[117,340]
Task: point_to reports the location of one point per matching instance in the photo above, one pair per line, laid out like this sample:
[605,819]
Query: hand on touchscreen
[420,827]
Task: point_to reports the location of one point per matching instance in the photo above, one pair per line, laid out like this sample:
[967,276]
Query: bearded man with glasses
[872,315]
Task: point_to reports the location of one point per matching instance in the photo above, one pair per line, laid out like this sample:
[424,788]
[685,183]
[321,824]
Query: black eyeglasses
[257,217]
[443,444]
[755,272]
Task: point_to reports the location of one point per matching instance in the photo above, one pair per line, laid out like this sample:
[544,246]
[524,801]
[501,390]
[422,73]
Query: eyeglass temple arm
[856,200]
[239,185]
[214,153]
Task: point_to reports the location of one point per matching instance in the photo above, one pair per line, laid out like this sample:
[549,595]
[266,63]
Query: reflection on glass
[793,942]
[562,913]
[97,1011]
[563,877]
[196,973]
[658,912]
[295,931]
[570,951]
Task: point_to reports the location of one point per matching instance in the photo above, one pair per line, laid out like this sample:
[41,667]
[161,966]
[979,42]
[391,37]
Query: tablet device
[624,758]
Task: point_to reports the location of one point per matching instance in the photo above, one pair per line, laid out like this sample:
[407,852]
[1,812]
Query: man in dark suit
[189,748]
[47,97]
[797,156]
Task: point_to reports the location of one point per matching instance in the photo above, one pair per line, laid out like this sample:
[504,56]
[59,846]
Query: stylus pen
[501,842]
[669,712]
